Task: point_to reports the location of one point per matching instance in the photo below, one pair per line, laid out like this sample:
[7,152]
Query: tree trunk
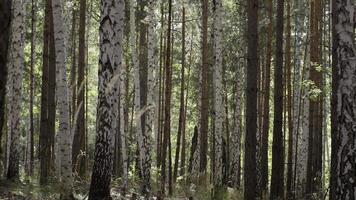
[204,98]
[79,134]
[218,94]
[277,179]
[167,101]
[343,170]
[250,179]
[181,106]
[5,21]
[64,143]
[16,69]
[266,109]
[111,22]
[30,135]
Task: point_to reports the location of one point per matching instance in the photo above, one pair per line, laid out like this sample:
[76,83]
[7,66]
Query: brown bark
[167,102]
[277,179]
[204,109]
[251,100]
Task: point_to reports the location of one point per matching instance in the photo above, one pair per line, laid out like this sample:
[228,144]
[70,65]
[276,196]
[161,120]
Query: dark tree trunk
[277,180]
[5,21]
[204,109]
[266,109]
[251,102]
[167,102]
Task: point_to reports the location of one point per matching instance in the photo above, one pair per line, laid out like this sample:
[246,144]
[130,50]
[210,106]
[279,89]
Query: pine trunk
[277,179]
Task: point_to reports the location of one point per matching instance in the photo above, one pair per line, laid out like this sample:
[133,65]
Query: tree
[204,98]
[277,179]
[266,106]
[342,180]
[5,21]
[15,70]
[218,93]
[167,104]
[64,131]
[79,135]
[181,106]
[251,102]
[111,28]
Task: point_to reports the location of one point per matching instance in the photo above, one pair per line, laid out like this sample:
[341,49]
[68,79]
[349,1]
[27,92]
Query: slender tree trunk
[343,170]
[16,69]
[291,137]
[73,70]
[266,109]
[167,101]
[204,98]
[30,135]
[277,179]
[5,21]
[250,179]
[181,106]
[111,22]
[79,134]
[44,136]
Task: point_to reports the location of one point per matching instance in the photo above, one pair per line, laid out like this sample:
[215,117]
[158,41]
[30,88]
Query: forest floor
[31,190]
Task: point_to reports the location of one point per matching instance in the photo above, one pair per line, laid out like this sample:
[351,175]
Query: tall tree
[30,136]
[181,98]
[79,135]
[5,21]
[204,98]
[111,28]
[218,94]
[277,179]
[167,102]
[342,181]
[314,168]
[266,102]
[64,143]
[251,102]
[16,68]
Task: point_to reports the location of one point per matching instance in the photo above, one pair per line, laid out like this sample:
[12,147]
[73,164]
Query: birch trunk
[111,31]
[64,133]
[344,103]
[16,68]
[218,93]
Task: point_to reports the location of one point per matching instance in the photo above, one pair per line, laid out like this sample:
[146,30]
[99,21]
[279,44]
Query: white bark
[15,74]
[218,93]
[345,72]
[64,133]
